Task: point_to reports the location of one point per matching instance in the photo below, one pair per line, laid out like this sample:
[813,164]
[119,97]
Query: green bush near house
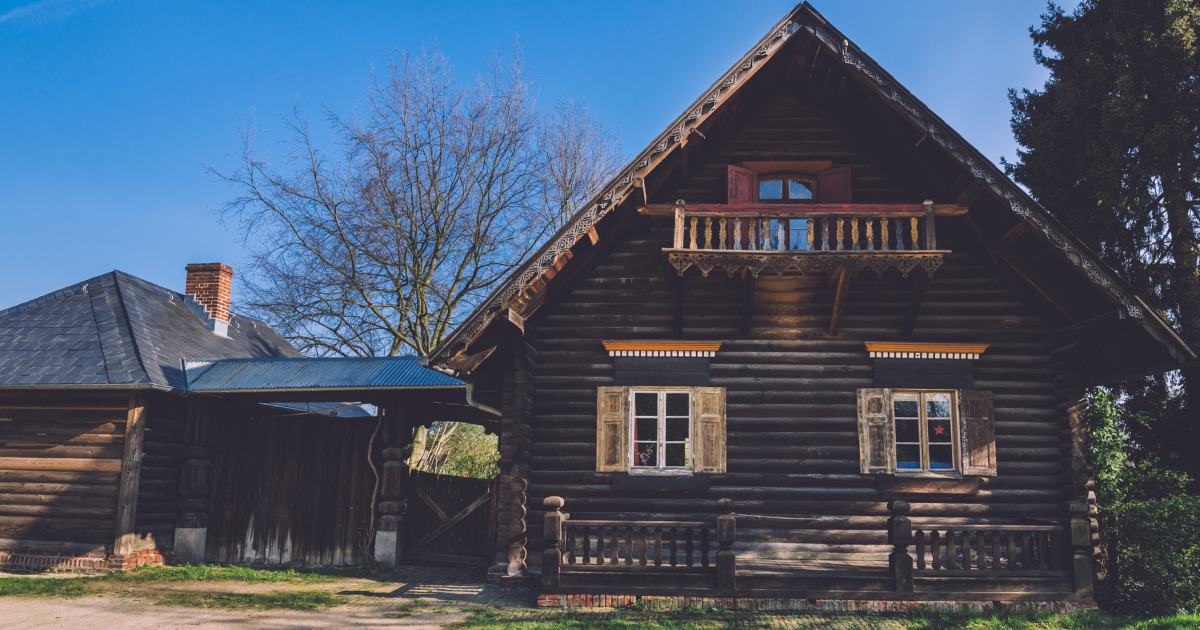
[1157,564]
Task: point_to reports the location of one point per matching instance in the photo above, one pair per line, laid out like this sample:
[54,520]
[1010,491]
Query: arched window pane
[770,190]
[799,190]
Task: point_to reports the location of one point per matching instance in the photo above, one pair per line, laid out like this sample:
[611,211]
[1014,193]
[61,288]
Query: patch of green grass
[62,587]
[1046,621]
[232,573]
[298,600]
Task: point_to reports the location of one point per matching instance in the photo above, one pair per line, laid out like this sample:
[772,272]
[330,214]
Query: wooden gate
[447,519]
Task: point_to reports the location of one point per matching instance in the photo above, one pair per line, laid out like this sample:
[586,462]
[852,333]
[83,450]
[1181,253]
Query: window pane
[908,431]
[939,431]
[645,454]
[905,405]
[645,429]
[937,405]
[908,456]
[798,234]
[799,190]
[677,455]
[677,429]
[677,404]
[940,457]
[770,190]
[645,404]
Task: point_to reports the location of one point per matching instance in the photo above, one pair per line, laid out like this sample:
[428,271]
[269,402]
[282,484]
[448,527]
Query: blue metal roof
[281,374]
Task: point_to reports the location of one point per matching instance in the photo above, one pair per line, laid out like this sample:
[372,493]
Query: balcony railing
[807,237]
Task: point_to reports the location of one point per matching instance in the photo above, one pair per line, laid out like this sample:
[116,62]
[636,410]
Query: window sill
[928,483]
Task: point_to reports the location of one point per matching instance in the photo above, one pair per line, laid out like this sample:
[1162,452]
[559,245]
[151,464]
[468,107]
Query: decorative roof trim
[910,350]
[662,348]
[984,171]
[620,187]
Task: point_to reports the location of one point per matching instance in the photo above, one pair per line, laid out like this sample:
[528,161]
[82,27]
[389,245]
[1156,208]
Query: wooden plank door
[447,519]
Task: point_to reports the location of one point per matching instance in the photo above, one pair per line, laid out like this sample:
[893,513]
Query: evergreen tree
[1111,145]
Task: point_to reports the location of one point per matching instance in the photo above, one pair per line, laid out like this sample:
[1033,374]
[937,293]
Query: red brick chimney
[210,284]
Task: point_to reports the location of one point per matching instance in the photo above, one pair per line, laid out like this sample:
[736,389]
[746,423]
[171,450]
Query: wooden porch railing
[638,546]
[992,551]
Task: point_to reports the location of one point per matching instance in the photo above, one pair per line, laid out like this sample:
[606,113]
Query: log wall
[60,466]
[290,489]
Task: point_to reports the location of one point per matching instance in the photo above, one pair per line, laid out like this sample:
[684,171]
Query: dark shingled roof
[119,329]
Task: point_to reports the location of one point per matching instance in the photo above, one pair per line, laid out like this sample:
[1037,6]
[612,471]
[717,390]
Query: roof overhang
[340,378]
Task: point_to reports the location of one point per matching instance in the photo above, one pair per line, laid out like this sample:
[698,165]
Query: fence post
[900,564]
[1080,532]
[726,534]
[552,534]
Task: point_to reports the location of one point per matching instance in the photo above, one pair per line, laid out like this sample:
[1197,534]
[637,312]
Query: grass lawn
[119,582]
[485,619]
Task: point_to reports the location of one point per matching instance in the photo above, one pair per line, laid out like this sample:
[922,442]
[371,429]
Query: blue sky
[110,108]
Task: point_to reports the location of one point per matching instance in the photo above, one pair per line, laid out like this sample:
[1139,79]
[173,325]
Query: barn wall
[162,457]
[60,463]
[290,489]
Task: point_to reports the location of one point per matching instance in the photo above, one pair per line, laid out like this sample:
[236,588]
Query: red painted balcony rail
[808,227]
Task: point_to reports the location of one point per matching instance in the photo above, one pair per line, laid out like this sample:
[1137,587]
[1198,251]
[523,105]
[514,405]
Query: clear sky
[109,109]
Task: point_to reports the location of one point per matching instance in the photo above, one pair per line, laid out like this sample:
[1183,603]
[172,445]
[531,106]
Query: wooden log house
[140,425]
[809,344]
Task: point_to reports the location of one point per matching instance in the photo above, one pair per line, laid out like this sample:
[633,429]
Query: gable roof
[117,329]
[805,21]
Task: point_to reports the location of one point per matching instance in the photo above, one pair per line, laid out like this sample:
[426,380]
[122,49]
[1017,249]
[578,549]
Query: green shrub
[1157,556]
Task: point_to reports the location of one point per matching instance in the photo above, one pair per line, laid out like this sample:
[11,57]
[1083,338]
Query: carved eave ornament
[916,350]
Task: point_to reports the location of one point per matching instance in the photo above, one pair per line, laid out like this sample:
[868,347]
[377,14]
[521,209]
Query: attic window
[787,188]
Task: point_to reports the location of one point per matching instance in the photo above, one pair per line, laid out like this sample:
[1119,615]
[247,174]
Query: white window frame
[923,425]
[661,468]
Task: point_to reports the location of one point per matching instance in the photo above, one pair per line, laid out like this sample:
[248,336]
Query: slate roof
[117,329]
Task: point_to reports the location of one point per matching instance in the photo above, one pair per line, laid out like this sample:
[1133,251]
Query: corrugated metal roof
[275,374]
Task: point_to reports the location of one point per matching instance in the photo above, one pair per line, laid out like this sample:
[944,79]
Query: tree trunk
[418,445]
[1185,280]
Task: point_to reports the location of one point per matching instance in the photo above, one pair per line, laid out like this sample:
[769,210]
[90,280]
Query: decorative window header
[901,350]
[662,348]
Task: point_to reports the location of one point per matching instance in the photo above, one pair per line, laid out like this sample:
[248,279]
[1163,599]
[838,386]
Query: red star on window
[939,430]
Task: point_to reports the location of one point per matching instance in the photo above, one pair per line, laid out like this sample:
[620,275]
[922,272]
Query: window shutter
[612,429]
[833,185]
[742,184]
[876,444]
[978,429]
[708,430]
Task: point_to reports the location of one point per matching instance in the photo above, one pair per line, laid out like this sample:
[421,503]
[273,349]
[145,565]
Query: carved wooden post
[930,229]
[900,564]
[679,224]
[195,483]
[552,534]
[726,534]
[389,527]
[1081,544]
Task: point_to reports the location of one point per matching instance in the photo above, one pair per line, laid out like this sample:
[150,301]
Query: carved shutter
[833,185]
[612,429]
[742,185]
[708,430]
[978,432]
[876,444]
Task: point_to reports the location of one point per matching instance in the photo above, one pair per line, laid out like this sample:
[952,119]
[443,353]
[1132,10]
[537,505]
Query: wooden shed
[811,345]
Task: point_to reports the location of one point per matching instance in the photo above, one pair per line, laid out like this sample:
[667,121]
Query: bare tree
[429,197]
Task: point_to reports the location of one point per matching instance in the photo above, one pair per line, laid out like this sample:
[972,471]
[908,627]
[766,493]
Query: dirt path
[417,598]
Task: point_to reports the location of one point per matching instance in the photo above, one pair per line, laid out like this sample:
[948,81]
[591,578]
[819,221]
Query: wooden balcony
[806,237]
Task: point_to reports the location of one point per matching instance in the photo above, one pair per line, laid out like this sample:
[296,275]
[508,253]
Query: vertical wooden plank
[131,474]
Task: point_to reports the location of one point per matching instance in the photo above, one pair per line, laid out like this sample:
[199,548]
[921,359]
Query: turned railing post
[389,536]
[930,229]
[552,529]
[195,483]
[726,534]
[679,224]
[900,564]
[1080,532]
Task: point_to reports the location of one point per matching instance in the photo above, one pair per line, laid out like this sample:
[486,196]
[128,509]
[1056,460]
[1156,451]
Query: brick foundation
[23,562]
[652,602]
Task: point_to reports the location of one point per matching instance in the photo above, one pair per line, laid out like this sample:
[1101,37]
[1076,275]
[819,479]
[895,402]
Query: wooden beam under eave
[841,279]
[920,283]
[748,280]
[676,302]
[125,538]
[1037,281]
